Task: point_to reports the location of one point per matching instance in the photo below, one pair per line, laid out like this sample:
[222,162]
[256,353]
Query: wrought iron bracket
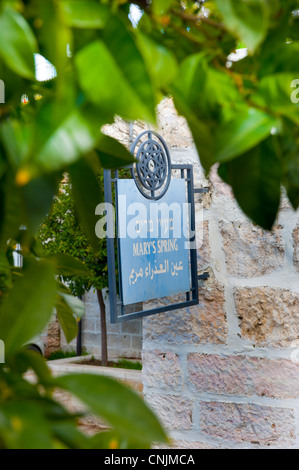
[201,190]
[203,277]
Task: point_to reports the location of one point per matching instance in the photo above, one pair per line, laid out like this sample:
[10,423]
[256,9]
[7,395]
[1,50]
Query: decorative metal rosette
[152,172]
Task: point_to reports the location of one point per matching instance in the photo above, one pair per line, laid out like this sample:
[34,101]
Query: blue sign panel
[153,242]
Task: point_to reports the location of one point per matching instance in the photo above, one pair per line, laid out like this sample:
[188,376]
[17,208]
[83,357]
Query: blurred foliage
[120,58]
[62,233]
[240,112]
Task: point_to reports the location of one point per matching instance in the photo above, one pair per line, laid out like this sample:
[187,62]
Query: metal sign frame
[150,180]
[118,311]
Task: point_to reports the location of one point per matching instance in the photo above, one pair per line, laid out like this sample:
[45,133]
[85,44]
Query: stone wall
[51,338]
[225,373]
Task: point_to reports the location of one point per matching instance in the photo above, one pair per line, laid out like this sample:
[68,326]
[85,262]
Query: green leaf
[54,39]
[112,154]
[5,272]
[160,61]
[275,92]
[75,304]
[18,43]
[87,195]
[279,59]
[63,140]
[202,135]
[293,191]
[117,80]
[192,77]
[249,20]
[247,129]
[26,310]
[13,214]
[26,428]
[161,6]
[38,207]
[256,180]
[69,310]
[70,436]
[84,14]
[66,265]
[67,322]
[3,165]
[291,179]
[205,96]
[105,84]
[209,92]
[26,360]
[17,139]
[122,408]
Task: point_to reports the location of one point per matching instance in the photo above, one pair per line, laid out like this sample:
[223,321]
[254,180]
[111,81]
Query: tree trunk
[103,328]
[79,336]
[79,339]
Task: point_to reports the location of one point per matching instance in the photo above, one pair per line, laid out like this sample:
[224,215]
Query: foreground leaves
[84,14]
[112,154]
[28,306]
[117,77]
[20,43]
[249,20]
[256,180]
[69,311]
[243,116]
[117,404]
[33,420]
[245,131]
[87,195]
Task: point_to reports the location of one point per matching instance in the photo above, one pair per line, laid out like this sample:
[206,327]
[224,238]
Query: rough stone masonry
[225,373]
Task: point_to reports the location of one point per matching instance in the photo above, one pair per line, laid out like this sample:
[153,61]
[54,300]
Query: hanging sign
[154,253]
[155,247]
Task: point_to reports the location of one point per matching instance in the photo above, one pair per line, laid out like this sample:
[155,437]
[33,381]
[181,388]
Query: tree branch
[143,4]
[104,346]
[198,19]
